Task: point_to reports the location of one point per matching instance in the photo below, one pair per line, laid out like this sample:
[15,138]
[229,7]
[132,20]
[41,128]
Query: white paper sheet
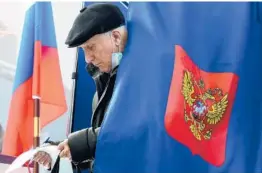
[28,155]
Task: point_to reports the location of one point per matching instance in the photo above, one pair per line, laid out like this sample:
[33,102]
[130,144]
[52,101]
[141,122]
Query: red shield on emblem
[199,107]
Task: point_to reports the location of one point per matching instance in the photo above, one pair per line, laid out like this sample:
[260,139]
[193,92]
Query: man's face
[98,50]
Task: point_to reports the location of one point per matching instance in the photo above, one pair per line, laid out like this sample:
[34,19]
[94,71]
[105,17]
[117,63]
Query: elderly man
[100,31]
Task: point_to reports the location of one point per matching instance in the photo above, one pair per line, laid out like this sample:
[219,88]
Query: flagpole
[36,139]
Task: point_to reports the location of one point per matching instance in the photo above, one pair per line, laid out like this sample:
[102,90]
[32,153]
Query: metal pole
[74,77]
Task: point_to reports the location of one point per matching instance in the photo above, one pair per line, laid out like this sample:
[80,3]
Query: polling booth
[177,52]
[176,41]
[80,96]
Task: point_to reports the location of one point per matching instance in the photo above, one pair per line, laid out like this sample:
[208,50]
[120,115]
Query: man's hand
[43,158]
[65,150]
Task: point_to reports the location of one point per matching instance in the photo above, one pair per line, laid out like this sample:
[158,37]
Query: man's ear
[116,37]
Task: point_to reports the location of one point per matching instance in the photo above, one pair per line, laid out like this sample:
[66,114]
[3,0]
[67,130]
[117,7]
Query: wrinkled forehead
[96,39]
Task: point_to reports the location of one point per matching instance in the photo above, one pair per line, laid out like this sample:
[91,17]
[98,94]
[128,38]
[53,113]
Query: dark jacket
[82,143]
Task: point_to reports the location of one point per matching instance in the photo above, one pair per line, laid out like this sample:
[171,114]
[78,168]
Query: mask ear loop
[118,47]
[112,43]
[110,35]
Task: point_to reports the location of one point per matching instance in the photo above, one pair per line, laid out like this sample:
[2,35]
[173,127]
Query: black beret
[94,19]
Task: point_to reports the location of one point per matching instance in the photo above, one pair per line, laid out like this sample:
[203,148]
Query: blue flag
[188,91]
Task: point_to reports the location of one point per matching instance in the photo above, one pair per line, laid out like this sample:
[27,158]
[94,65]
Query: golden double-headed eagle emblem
[204,108]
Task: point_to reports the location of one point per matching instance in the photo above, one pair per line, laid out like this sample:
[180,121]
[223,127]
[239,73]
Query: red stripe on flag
[19,132]
[46,82]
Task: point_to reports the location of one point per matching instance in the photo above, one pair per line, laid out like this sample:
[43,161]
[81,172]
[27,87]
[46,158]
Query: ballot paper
[28,155]
[24,157]
[52,150]
[65,163]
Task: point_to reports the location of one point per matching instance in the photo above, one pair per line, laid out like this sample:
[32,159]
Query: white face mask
[116,58]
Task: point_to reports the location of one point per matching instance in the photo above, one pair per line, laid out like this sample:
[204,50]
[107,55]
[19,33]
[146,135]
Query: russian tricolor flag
[37,74]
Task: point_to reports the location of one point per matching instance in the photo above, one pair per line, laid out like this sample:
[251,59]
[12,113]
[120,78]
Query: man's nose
[89,58]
